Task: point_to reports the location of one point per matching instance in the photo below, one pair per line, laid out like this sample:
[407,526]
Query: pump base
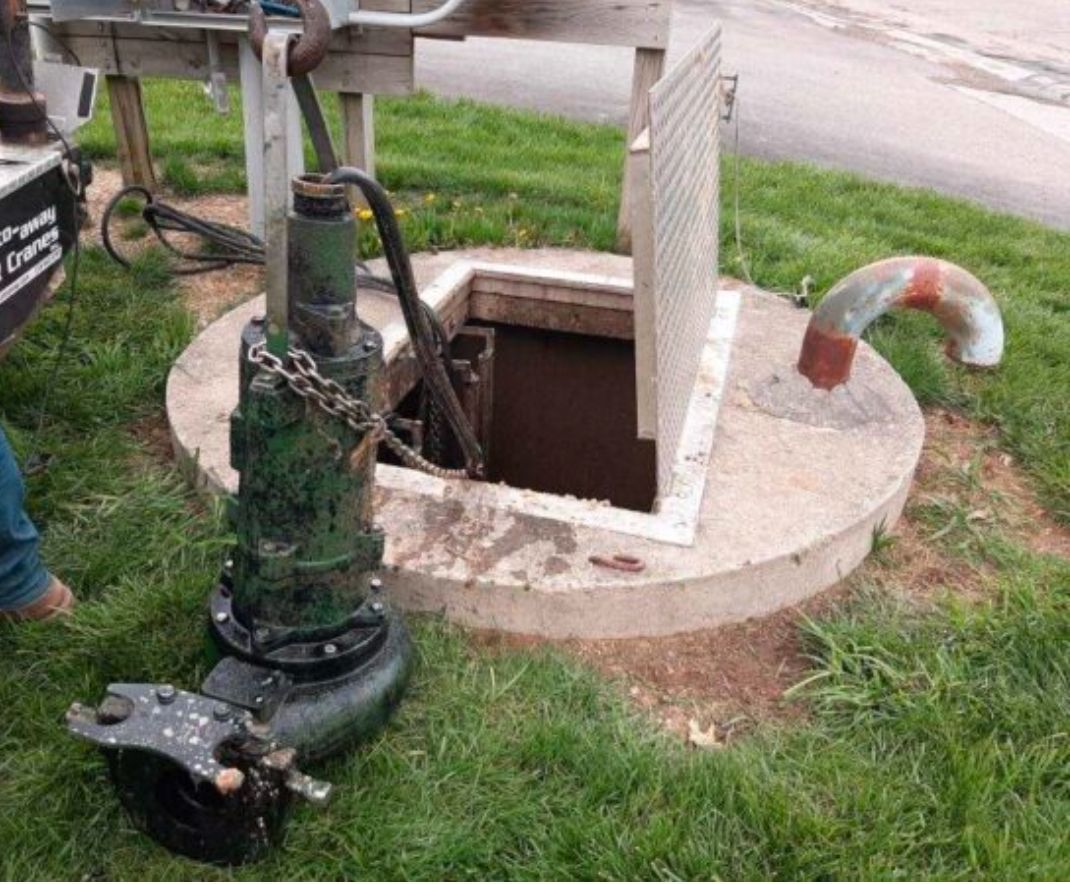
[316,696]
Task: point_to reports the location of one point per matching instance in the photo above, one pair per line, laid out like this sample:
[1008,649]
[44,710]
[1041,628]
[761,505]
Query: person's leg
[23,579]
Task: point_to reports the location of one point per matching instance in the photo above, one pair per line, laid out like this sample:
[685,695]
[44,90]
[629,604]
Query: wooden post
[649,66]
[358,126]
[131,131]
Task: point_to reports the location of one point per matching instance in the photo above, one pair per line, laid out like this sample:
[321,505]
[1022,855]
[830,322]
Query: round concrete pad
[797,482]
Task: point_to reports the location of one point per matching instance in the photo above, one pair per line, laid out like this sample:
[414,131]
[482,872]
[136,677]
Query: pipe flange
[307,654]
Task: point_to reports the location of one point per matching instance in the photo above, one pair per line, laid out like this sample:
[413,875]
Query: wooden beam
[376,62]
[649,66]
[131,131]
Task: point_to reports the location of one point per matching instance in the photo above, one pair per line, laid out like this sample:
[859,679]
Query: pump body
[311,659]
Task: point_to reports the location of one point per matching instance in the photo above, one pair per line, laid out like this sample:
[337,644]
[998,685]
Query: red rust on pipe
[926,289]
[958,300]
[827,357]
[306,51]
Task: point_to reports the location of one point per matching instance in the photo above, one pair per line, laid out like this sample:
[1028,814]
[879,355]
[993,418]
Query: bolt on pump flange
[312,658]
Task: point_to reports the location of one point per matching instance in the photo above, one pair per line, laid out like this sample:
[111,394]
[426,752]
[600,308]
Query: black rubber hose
[230,245]
[420,330]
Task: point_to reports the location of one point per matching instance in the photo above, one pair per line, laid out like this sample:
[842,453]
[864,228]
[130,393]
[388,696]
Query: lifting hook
[306,51]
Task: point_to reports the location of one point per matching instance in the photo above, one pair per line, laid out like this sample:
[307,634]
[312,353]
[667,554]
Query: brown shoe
[57,601]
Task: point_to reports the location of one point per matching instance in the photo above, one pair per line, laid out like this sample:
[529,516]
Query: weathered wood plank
[131,131]
[640,23]
[553,316]
[373,41]
[649,66]
[140,57]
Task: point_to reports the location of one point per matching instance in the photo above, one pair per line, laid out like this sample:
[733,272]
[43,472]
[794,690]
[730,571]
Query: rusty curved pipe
[962,304]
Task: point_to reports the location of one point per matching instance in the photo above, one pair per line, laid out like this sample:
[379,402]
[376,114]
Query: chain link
[330,397]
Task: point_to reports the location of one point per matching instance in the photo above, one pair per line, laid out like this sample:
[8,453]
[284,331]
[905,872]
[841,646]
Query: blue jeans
[23,579]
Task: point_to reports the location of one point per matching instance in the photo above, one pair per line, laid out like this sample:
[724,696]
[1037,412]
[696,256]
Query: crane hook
[307,50]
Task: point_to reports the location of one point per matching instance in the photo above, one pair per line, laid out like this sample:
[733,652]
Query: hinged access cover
[676,177]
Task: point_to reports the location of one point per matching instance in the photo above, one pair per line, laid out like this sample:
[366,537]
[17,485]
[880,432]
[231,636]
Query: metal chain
[330,397]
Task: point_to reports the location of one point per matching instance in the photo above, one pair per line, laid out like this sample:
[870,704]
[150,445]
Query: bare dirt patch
[207,295]
[710,686]
[154,434]
[706,687]
[964,465]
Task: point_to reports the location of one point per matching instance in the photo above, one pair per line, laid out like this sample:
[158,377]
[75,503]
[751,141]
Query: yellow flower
[429,198]
[401,213]
[365,214]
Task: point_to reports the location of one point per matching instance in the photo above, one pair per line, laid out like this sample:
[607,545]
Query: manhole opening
[558,410]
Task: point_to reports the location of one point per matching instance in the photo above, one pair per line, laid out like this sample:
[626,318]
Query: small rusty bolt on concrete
[22,109]
[961,303]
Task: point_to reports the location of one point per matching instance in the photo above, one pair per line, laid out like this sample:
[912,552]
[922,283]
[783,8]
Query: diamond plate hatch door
[675,173]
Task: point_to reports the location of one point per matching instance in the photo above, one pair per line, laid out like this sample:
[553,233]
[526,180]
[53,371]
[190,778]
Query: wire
[59,42]
[225,245]
[421,331]
[799,298]
[744,266]
[36,463]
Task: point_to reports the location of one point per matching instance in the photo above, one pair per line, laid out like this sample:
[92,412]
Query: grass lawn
[934,740]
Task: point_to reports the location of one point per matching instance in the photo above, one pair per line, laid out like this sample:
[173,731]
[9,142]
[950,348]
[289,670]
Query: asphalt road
[947,95]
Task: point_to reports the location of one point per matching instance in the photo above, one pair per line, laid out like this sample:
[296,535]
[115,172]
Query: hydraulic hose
[416,321]
[226,245]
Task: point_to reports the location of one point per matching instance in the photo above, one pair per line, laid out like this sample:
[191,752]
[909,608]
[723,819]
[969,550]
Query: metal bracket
[728,95]
[181,727]
[217,78]
[318,130]
[275,52]
[200,775]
